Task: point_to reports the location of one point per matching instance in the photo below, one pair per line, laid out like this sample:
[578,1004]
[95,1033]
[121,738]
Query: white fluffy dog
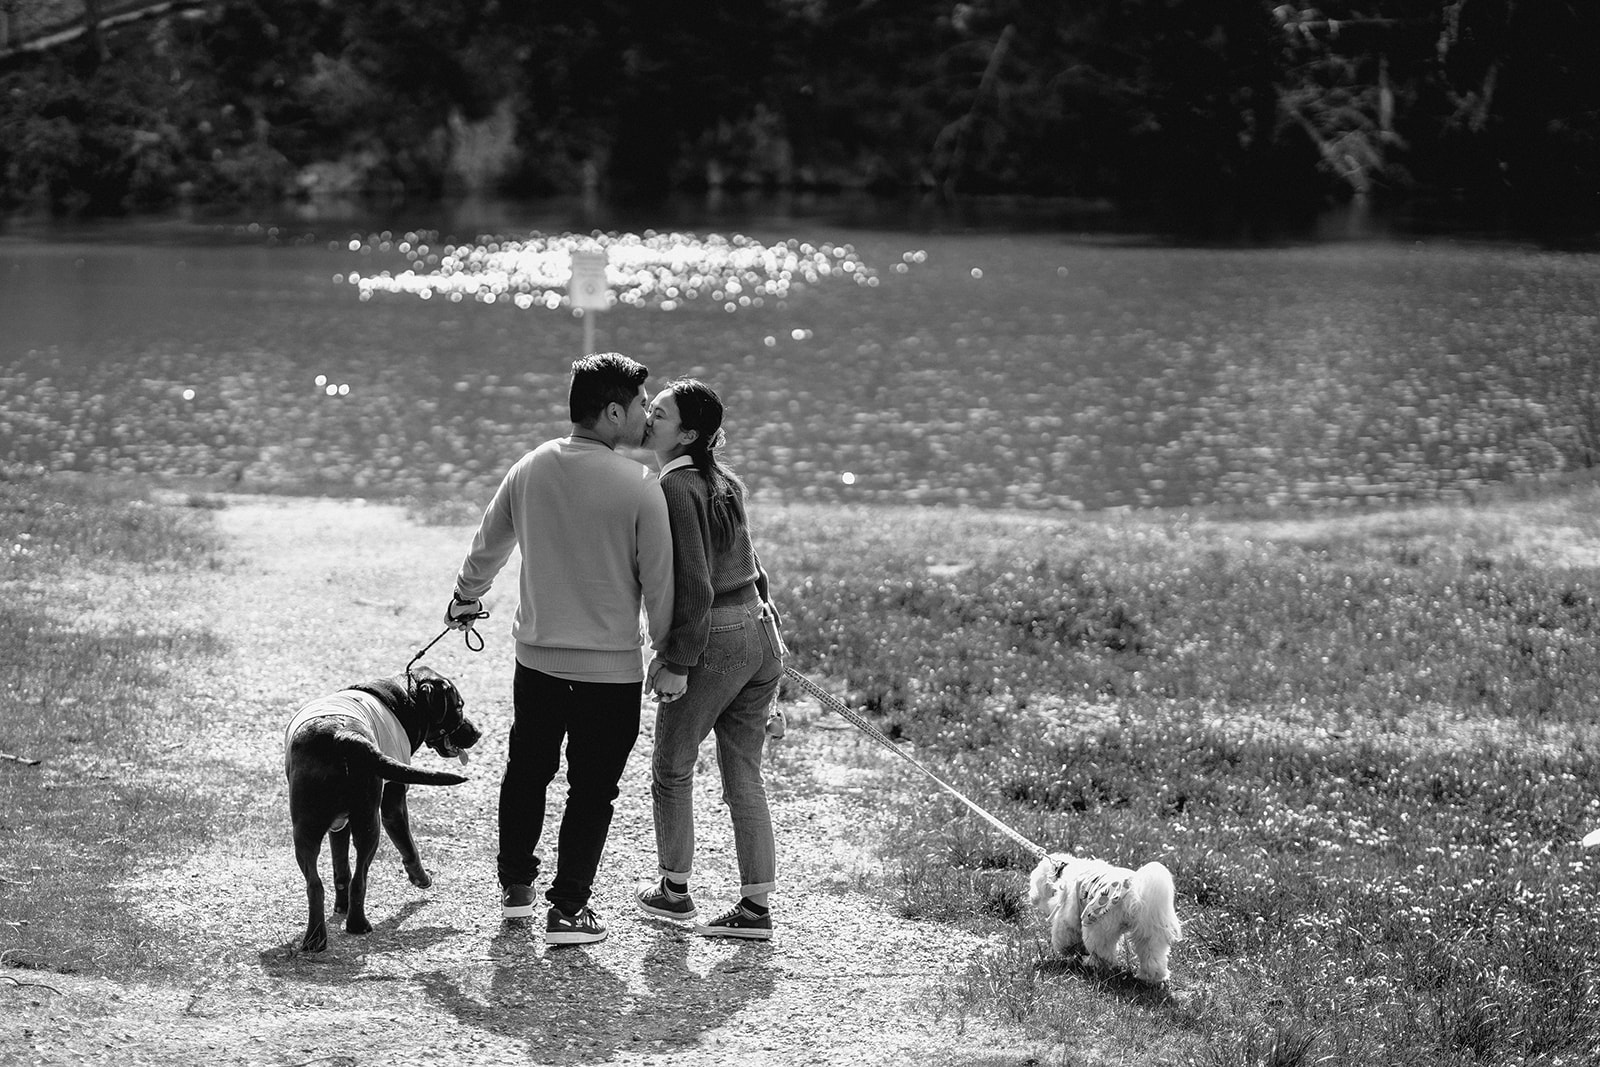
[1091,905]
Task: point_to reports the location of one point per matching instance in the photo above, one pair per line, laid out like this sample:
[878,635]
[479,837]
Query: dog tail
[362,756]
[1152,888]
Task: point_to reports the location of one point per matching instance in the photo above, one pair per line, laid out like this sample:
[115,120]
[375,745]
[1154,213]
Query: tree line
[1203,113]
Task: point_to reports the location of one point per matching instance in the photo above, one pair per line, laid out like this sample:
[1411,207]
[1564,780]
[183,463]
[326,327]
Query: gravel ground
[313,595]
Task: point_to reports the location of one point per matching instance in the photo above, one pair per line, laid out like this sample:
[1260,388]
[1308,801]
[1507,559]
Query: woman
[719,669]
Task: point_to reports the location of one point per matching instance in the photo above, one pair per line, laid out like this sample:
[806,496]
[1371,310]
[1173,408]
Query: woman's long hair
[700,410]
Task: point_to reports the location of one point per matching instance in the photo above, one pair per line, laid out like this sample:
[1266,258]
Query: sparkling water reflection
[1020,370]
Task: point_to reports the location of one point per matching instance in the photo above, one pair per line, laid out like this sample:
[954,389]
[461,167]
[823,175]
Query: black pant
[600,722]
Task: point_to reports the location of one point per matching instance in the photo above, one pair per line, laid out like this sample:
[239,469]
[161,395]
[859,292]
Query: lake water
[935,361]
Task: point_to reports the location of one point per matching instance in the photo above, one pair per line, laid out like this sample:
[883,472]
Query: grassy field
[82,699]
[1365,747]
[1362,745]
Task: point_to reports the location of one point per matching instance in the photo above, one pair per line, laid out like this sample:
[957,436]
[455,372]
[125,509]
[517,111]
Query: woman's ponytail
[700,410]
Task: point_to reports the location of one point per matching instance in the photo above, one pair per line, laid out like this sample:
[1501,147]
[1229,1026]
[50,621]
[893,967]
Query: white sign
[588,288]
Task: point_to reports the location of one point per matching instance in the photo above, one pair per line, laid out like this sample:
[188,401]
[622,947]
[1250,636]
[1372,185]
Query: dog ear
[435,694]
[1041,887]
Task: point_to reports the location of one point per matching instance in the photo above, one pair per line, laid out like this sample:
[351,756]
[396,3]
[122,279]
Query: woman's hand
[774,625]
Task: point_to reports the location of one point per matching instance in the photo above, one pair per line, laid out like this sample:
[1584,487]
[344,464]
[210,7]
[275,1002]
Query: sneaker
[581,929]
[516,902]
[654,900]
[737,922]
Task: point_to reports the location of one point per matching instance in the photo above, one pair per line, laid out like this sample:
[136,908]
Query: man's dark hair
[601,379]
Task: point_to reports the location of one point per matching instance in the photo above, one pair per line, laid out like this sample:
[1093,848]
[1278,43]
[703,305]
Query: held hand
[461,614]
[669,685]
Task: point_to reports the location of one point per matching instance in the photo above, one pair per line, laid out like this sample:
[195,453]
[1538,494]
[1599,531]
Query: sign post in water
[589,290]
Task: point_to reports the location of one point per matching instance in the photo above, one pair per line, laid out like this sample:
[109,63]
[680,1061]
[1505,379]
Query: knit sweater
[592,529]
[700,571]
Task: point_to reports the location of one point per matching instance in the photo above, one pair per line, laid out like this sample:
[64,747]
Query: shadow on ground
[1119,984]
[569,1008]
[347,953]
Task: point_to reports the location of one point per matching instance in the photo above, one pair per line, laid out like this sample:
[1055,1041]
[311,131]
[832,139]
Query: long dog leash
[829,701]
[834,704]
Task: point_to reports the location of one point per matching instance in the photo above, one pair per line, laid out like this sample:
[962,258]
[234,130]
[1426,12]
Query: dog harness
[368,715]
[1100,887]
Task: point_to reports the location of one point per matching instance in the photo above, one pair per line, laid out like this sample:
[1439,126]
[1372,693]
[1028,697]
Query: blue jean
[599,722]
[728,694]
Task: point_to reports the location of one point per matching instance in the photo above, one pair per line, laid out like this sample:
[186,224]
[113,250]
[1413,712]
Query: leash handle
[468,636]
[854,718]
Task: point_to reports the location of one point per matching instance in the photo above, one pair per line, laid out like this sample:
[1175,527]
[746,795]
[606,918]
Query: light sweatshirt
[592,528]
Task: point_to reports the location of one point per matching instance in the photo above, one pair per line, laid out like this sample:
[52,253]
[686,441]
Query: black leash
[468,636]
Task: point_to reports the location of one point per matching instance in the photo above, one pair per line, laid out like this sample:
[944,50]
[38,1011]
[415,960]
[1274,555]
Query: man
[592,528]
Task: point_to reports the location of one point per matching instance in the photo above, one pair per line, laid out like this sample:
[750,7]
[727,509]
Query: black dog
[348,754]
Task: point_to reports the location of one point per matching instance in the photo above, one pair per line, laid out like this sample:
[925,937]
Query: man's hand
[462,614]
[668,684]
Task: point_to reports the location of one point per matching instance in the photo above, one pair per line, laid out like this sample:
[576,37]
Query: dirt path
[314,595]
